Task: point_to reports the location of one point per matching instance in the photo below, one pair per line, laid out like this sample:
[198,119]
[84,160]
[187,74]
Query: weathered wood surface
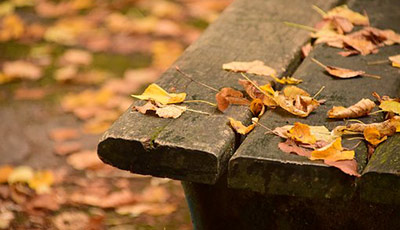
[197,147]
[260,166]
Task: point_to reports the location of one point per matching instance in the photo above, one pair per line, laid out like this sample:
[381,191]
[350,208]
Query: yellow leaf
[5,172]
[390,106]
[267,88]
[288,81]
[332,152]
[156,93]
[354,17]
[255,67]
[373,136]
[257,107]
[239,127]
[301,133]
[395,60]
[293,91]
[41,181]
[4,78]
[21,174]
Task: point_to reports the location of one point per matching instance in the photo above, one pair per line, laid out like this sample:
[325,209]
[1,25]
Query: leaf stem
[319,10]
[198,111]
[191,78]
[265,127]
[200,101]
[319,91]
[371,75]
[304,27]
[255,85]
[377,62]
[319,63]
[376,112]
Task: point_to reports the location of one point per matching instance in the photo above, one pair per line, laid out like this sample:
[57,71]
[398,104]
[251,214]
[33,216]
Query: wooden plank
[260,166]
[196,147]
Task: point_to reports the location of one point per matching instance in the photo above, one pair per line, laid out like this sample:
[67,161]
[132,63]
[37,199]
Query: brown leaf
[146,107]
[300,105]
[344,12]
[363,46]
[111,200]
[29,94]
[65,148]
[76,57]
[63,134]
[254,93]
[360,109]
[306,49]
[255,67]
[45,201]
[147,208]
[257,107]
[227,96]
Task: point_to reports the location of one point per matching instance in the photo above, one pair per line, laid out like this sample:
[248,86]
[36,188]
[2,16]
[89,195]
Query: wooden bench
[236,183]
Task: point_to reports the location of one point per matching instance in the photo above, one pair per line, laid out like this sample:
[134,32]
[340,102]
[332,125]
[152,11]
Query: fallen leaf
[288,81]
[85,160]
[321,133]
[170,111]
[156,93]
[63,134]
[21,174]
[344,12]
[395,60]
[301,133]
[11,27]
[45,201]
[5,172]
[289,146]
[146,107]
[71,220]
[154,194]
[388,127]
[65,148]
[29,94]
[293,91]
[66,73]
[22,69]
[346,166]
[360,109]
[332,152]
[306,49]
[257,107]
[6,216]
[390,106]
[373,136]
[300,105]
[255,67]
[227,96]
[41,181]
[239,127]
[266,96]
[342,72]
[363,46]
[76,57]
[147,208]
[110,200]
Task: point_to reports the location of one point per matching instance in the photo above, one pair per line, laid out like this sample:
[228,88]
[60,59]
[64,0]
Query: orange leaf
[227,96]
[239,127]
[373,136]
[395,60]
[257,107]
[5,171]
[360,109]
[254,93]
[301,133]
[332,152]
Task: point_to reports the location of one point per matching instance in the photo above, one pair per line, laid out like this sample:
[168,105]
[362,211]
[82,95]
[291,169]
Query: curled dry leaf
[360,109]
[388,127]
[373,136]
[266,96]
[300,105]
[255,67]
[342,72]
[156,93]
[227,96]
[257,107]
[321,133]
[332,152]
[239,127]
[288,80]
[395,60]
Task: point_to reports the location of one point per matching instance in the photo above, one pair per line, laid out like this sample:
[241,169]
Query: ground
[67,70]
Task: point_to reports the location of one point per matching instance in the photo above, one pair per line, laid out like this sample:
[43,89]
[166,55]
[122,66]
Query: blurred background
[67,69]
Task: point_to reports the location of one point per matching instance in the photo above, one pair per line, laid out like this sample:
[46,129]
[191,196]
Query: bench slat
[196,147]
[260,166]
